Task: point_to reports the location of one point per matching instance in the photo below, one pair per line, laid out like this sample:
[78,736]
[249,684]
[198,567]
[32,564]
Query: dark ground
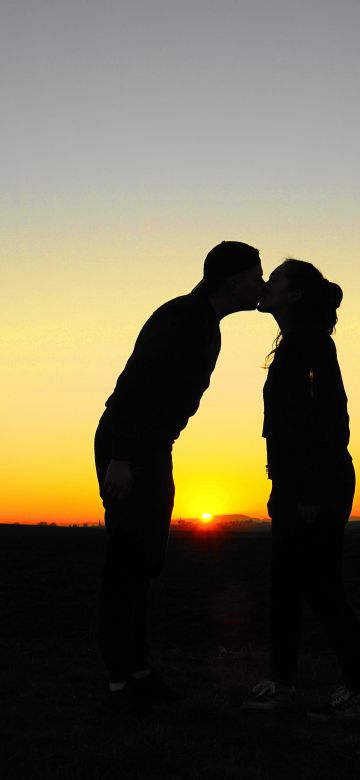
[209,632]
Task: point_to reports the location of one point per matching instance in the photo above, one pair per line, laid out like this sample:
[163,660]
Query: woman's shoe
[343,704]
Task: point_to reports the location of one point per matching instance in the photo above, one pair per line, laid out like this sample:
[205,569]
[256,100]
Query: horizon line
[235,518]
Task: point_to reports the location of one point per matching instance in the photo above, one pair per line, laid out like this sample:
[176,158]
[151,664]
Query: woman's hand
[308,512]
[118,479]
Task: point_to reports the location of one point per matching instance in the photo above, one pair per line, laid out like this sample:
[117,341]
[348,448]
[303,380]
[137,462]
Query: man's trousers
[138,529]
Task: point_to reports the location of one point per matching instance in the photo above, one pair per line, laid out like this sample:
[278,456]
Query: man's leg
[122,612]
[138,530]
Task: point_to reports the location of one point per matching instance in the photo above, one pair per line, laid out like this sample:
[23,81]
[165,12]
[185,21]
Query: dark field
[209,633]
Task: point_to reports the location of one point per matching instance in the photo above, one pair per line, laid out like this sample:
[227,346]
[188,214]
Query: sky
[136,135]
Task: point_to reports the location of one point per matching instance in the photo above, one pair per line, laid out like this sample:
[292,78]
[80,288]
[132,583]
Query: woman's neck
[283,320]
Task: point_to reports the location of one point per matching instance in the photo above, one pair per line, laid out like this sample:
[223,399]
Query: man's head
[233,276]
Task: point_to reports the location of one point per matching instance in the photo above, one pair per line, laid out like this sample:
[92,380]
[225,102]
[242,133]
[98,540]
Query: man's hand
[118,479]
[308,512]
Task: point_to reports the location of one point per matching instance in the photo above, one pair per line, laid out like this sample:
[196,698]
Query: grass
[209,632]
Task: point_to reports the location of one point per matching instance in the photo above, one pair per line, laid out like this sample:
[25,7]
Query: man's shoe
[125,702]
[153,689]
[269,695]
[119,701]
[343,704]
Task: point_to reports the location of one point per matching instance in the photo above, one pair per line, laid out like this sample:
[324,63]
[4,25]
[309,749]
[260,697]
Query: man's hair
[227,259]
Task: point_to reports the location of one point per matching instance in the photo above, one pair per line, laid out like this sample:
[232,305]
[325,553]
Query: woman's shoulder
[306,348]
[310,341]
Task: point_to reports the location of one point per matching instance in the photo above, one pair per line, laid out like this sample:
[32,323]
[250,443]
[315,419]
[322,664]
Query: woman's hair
[319,298]
[316,307]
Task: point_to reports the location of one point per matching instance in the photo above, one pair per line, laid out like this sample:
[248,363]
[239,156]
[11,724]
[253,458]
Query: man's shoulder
[174,316]
[180,309]
[181,303]
[186,318]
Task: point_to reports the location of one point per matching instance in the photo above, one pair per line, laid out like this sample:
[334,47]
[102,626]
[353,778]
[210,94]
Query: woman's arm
[327,428]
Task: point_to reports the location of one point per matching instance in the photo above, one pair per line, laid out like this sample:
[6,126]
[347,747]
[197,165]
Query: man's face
[248,287]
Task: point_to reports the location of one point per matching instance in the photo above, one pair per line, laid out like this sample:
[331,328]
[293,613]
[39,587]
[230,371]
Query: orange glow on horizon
[206,518]
[48,472]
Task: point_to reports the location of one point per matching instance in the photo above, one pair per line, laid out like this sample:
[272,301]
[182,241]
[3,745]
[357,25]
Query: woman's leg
[286,601]
[323,583]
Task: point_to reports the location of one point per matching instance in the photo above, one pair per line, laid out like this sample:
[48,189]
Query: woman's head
[300,291]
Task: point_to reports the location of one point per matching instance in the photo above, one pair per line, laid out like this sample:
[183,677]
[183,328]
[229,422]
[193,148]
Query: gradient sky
[135,136]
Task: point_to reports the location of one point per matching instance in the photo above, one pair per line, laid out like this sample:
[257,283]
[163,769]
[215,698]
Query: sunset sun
[206,518]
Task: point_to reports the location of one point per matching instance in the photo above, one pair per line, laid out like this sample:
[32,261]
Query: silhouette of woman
[306,427]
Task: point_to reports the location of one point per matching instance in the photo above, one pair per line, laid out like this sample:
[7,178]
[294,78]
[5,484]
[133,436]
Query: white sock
[141,675]
[116,686]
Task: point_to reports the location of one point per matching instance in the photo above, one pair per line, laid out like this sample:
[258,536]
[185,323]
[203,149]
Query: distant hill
[238,519]
[234,520]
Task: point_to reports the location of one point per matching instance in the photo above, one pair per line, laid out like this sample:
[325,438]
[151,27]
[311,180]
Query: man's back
[166,375]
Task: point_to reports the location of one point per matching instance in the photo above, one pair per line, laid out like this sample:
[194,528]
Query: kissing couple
[306,427]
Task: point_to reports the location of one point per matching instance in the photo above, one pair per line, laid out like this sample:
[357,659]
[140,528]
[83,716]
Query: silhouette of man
[156,393]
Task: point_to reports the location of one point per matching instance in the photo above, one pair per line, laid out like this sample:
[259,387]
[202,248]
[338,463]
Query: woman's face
[275,295]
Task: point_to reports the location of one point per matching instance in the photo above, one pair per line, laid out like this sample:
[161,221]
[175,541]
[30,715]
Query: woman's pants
[307,564]
[138,528]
